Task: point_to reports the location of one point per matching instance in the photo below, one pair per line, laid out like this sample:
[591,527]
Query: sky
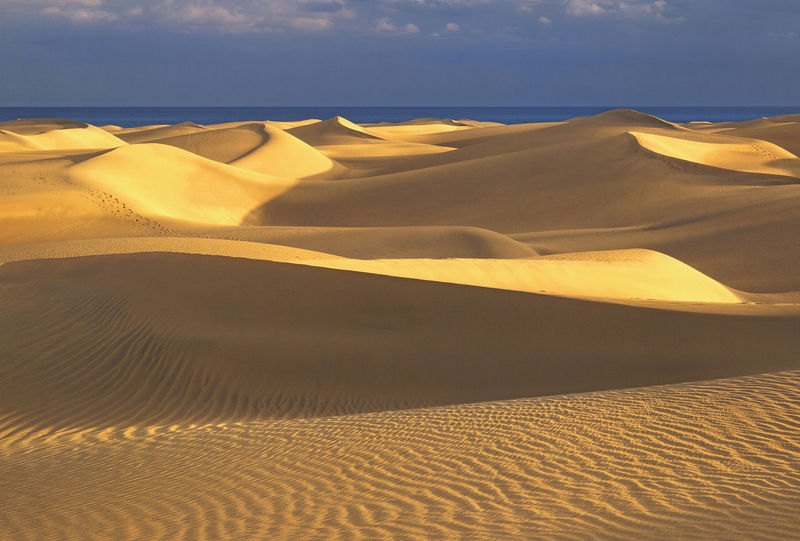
[399,52]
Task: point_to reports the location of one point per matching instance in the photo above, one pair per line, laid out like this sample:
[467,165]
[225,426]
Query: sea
[142,116]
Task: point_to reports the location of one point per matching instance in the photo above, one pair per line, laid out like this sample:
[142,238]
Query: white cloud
[452,27]
[642,9]
[383,25]
[628,9]
[92,16]
[545,20]
[386,26]
[583,8]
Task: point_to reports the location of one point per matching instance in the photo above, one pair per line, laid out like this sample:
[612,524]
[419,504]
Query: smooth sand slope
[437,329]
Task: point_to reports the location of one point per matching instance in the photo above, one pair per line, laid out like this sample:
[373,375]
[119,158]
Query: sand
[437,329]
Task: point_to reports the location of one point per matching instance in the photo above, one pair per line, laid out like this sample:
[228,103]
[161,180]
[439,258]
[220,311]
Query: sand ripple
[710,460]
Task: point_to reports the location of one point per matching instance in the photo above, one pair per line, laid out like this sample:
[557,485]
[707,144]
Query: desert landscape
[433,329]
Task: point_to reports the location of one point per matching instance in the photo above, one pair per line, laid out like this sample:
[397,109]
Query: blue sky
[399,52]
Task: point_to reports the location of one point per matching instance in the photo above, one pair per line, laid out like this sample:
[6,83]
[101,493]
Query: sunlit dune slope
[784,133]
[39,203]
[413,128]
[623,274]
[747,156]
[165,181]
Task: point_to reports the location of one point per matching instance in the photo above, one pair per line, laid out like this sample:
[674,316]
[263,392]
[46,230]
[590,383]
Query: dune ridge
[621,274]
[431,329]
[256,147]
[332,131]
[750,157]
[52,135]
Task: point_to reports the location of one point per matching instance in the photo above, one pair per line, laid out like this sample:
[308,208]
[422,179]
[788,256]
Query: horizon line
[394,106]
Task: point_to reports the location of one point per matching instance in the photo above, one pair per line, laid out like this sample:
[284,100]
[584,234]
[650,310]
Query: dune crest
[747,156]
[54,135]
[336,130]
[257,147]
[621,274]
[148,134]
[627,117]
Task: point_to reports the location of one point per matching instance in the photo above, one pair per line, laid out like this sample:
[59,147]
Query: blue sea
[140,116]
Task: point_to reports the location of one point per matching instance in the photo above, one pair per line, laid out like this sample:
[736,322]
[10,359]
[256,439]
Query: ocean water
[140,116]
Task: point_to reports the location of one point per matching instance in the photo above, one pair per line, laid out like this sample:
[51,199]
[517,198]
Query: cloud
[190,15]
[206,14]
[386,26]
[584,8]
[647,10]
[623,9]
[80,14]
[499,18]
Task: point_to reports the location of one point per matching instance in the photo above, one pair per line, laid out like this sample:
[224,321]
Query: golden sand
[436,329]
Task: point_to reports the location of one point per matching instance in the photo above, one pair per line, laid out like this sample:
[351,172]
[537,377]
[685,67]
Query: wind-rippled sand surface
[437,329]
[714,460]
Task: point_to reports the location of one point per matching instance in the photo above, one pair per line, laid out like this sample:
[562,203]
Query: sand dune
[147,134]
[747,156]
[334,131]
[360,148]
[163,181]
[142,245]
[622,274]
[385,242]
[257,147]
[540,188]
[420,126]
[17,136]
[783,134]
[253,331]
[430,329]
